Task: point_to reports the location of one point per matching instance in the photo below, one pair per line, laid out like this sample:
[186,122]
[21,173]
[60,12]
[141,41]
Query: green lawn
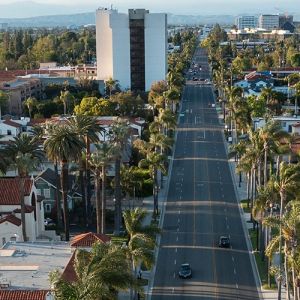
[244,204]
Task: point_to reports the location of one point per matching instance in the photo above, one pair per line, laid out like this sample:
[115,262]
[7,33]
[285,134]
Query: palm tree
[111,84]
[3,101]
[99,161]
[88,130]
[30,103]
[100,275]
[167,120]
[271,135]
[24,153]
[141,239]
[287,227]
[286,182]
[120,134]
[129,181]
[65,97]
[64,145]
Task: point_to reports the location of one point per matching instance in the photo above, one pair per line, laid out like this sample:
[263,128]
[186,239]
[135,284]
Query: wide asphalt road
[201,206]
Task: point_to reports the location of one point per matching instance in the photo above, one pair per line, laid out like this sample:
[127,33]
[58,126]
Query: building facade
[243,22]
[268,22]
[131,48]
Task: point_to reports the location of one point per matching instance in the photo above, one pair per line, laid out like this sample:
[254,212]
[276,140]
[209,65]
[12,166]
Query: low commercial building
[19,90]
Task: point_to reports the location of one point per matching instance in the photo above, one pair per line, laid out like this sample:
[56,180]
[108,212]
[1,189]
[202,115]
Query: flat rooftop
[27,265]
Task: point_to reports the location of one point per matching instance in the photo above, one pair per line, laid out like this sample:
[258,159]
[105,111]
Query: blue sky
[197,7]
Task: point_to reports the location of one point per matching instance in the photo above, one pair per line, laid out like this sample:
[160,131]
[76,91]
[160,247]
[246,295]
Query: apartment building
[131,48]
[19,90]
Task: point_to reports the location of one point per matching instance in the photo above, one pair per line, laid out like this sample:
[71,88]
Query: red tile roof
[88,239]
[28,209]
[23,294]
[12,123]
[9,190]
[69,273]
[12,219]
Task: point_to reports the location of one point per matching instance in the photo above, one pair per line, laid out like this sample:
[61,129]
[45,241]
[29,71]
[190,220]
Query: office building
[243,22]
[131,48]
[268,22]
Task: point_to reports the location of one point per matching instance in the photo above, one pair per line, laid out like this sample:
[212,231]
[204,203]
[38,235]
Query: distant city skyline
[193,7]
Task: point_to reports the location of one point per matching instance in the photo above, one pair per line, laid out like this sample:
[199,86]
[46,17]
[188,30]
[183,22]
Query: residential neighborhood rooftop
[27,265]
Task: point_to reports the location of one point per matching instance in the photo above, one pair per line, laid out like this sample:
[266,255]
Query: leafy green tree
[91,106]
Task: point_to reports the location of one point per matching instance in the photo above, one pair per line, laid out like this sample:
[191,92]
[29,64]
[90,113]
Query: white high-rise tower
[131,48]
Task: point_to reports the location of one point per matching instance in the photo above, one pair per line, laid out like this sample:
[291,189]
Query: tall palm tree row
[64,145]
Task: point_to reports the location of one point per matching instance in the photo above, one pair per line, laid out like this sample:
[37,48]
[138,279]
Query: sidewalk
[148,206]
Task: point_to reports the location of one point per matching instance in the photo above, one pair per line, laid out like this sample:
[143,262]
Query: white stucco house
[10,211]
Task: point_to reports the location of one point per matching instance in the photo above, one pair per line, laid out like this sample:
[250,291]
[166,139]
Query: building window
[38,192]
[48,207]
[47,193]
[8,132]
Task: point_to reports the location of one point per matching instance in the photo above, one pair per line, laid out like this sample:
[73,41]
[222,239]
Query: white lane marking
[176,250]
[227,226]
[179,212]
[234,271]
[173,290]
[177,239]
[223,195]
[237,286]
[178,229]
[178,220]
[226,218]
[174,275]
[175,262]
[232,258]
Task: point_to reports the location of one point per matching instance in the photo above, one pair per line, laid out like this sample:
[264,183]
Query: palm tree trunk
[22,202]
[248,188]
[118,206]
[155,193]
[265,166]
[287,288]
[294,282]
[278,165]
[282,200]
[57,196]
[103,208]
[88,181]
[82,188]
[64,185]
[98,201]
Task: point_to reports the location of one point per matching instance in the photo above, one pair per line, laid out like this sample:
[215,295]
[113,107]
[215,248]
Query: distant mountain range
[32,14]
[89,18]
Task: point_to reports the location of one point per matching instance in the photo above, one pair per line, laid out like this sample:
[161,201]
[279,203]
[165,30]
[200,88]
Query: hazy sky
[196,7]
